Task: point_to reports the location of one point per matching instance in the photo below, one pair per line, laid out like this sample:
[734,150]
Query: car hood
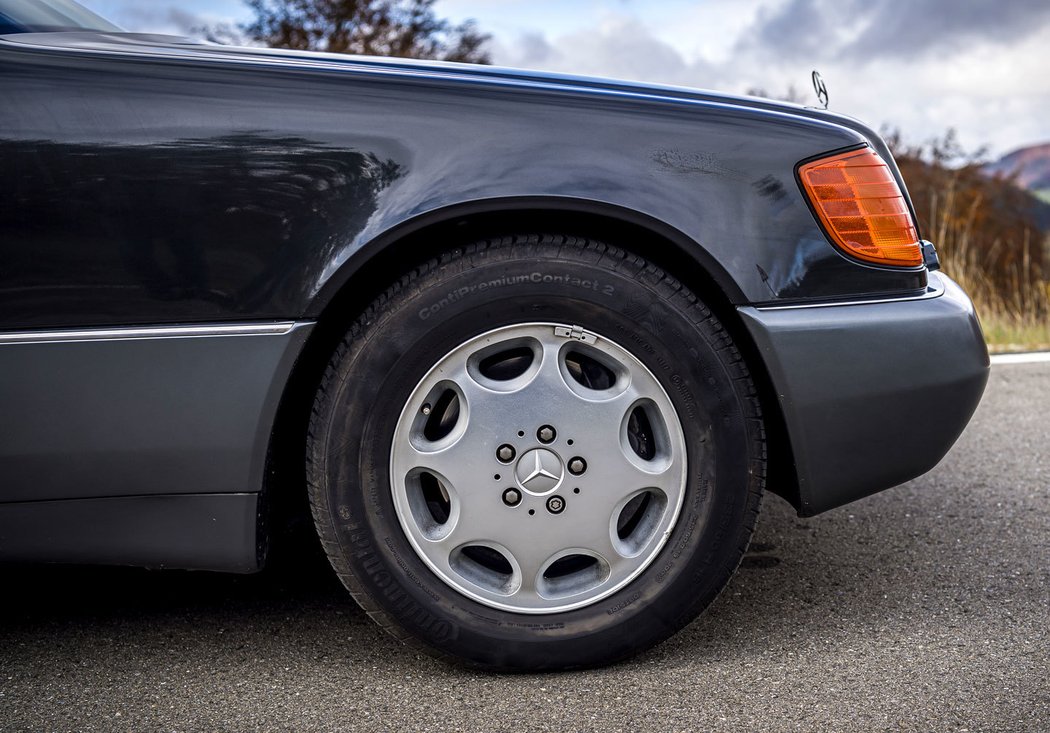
[162,46]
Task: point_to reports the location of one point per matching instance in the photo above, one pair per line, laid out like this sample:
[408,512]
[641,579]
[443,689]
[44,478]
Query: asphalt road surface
[924,608]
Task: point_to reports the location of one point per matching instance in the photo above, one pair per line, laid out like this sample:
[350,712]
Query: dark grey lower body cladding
[139,446]
[873,394]
[189,531]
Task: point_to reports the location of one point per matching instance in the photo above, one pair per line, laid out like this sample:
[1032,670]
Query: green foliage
[401,28]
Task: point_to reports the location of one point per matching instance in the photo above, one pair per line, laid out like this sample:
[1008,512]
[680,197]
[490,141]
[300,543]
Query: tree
[403,28]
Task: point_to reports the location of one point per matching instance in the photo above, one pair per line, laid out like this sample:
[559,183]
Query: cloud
[876,30]
[926,25]
[800,28]
[533,50]
[618,47]
[891,64]
[158,18]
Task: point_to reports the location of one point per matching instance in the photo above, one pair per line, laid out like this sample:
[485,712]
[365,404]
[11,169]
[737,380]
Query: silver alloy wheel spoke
[569,540]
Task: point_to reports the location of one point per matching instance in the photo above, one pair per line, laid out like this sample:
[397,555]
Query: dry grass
[1001,268]
[1006,334]
[1015,315]
[986,240]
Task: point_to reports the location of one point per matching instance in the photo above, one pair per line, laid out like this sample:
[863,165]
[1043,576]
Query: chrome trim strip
[278,328]
[935,290]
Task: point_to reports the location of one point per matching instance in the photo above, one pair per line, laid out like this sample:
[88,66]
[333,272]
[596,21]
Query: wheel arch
[380,262]
[420,236]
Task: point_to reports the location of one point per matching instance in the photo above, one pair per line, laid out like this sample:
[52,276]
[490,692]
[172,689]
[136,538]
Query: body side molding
[278,328]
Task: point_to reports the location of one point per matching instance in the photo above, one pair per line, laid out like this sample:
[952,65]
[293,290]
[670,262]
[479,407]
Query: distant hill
[1031,165]
[1031,168]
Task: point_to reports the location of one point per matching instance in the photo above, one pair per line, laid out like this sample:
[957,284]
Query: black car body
[186,230]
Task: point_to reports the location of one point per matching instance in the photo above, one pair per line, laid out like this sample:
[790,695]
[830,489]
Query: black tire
[433,309]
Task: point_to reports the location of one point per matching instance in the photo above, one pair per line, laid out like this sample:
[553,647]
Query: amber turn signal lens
[862,208]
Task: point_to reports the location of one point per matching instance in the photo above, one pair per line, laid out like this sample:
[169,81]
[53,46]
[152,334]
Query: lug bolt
[546,434]
[511,497]
[577,466]
[555,504]
[505,453]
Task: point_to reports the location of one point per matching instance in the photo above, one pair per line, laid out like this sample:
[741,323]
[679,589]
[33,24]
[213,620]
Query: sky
[922,66]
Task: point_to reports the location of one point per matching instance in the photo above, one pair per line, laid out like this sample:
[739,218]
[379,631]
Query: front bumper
[873,394]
